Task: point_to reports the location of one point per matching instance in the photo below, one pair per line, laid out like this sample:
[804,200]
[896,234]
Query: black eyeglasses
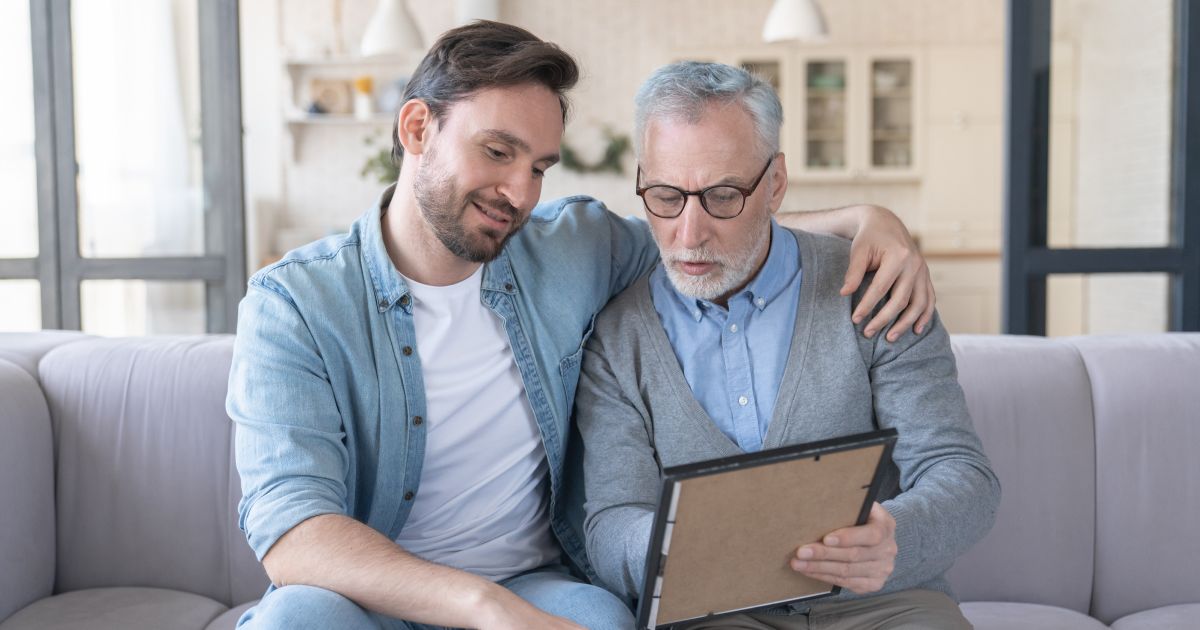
[722,202]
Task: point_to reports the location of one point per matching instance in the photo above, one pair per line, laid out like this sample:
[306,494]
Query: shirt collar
[390,287]
[783,261]
[388,284]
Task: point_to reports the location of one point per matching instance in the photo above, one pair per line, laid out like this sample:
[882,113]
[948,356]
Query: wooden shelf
[298,123]
[384,70]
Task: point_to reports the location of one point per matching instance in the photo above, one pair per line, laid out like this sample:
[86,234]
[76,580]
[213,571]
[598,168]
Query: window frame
[59,267]
[1027,259]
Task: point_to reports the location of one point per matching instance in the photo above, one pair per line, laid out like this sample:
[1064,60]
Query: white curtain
[137,148]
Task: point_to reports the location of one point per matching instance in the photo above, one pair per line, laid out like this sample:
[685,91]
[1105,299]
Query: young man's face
[481,173]
[707,257]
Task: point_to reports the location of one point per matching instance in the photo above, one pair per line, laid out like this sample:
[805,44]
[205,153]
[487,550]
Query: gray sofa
[119,491]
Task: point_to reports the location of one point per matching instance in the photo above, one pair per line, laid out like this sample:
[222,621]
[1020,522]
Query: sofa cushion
[1030,401]
[117,609]
[27,488]
[1009,615]
[1177,617]
[1145,395]
[147,489]
[228,619]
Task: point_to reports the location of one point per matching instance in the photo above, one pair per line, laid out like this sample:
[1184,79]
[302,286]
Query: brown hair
[482,55]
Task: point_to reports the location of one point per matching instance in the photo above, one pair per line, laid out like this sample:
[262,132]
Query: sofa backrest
[1031,403]
[147,490]
[27,486]
[146,486]
[27,349]
[1146,395]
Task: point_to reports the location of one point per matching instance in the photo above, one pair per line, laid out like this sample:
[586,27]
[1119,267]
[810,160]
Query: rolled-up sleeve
[289,438]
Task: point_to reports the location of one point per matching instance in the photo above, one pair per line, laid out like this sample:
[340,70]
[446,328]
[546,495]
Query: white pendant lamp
[794,21]
[470,10]
[391,31]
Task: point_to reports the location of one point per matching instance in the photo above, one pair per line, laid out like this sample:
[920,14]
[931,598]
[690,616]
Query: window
[1103,167]
[125,155]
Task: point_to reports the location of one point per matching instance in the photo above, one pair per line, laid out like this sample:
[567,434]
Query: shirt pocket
[568,368]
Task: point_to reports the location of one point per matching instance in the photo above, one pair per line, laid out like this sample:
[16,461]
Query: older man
[688,364]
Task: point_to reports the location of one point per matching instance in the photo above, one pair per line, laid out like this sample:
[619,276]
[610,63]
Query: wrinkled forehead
[717,144]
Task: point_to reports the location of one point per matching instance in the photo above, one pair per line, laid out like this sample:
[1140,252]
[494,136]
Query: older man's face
[707,257]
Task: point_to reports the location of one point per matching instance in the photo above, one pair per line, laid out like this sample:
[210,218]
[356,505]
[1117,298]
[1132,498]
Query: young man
[688,365]
[402,393]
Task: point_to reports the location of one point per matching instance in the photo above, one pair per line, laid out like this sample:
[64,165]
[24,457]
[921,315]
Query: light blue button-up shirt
[326,385]
[733,358]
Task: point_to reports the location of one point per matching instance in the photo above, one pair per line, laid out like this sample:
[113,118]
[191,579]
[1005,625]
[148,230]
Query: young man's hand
[859,559]
[883,244]
[879,243]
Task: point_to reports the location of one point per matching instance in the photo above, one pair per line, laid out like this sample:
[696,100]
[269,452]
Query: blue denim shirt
[326,388]
[733,358]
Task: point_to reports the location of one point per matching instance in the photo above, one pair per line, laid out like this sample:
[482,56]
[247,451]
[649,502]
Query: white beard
[732,270]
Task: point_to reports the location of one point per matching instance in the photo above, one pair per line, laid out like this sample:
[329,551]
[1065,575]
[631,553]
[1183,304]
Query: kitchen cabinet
[850,115]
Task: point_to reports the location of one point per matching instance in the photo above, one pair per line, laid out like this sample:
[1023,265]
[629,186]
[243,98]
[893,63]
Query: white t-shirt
[483,501]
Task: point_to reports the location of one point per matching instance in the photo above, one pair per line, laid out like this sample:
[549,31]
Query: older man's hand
[883,244]
[859,559]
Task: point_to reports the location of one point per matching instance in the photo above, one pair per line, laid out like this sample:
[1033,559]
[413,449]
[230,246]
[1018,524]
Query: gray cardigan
[636,415]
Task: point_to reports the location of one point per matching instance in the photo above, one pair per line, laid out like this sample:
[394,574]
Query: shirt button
[733,328]
[404,300]
[383,304]
[761,302]
[743,401]
[407,350]
[417,420]
[408,496]
[508,286]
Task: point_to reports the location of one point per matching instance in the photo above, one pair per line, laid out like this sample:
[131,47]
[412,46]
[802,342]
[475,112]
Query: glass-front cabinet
[825,108]
[891,114]
[861,114]
[849,114]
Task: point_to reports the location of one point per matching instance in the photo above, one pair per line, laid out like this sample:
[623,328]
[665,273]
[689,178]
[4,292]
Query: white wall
[618,43]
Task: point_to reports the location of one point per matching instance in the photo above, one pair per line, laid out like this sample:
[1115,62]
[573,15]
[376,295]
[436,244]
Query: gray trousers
[904,610]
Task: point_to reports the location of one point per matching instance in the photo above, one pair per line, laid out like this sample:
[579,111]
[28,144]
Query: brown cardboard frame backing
[729,527]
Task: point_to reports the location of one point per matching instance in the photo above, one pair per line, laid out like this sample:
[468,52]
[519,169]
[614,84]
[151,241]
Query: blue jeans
[551,589]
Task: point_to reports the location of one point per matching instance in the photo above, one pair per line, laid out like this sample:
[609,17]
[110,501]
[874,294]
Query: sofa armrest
[27,529]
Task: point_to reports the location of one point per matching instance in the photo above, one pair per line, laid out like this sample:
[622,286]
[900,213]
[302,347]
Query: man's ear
[414,122]
[778,183]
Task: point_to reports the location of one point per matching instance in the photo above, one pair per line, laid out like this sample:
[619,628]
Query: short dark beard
[443,208]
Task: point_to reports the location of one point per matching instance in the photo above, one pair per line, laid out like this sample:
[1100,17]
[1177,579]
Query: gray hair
[682,91]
